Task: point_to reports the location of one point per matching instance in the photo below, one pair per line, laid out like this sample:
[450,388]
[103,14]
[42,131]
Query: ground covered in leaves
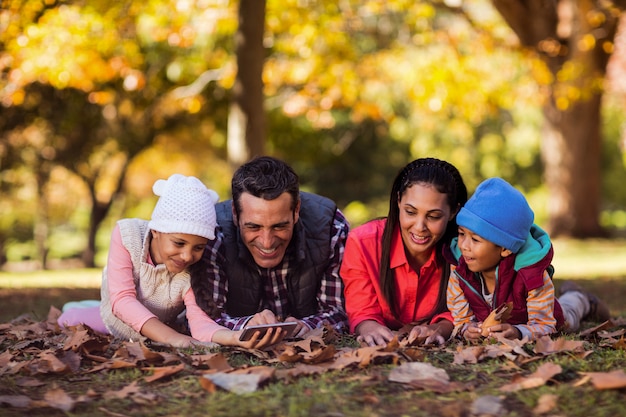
[45,370]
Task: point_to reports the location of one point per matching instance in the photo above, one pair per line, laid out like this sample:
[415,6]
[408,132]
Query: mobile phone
[248,331]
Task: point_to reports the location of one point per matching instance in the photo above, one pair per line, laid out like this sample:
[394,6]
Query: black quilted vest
[309,253]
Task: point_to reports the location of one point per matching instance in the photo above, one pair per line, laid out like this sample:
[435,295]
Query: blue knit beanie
[498,213]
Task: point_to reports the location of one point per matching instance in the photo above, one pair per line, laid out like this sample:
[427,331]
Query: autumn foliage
[39,351]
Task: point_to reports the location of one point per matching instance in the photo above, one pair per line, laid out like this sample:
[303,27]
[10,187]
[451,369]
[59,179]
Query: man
[277,253]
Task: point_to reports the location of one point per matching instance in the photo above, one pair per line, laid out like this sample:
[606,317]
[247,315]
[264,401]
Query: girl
[146,282]
[393,269]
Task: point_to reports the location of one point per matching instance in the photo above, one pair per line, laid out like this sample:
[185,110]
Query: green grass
[66,278]
[589,259]
[598,266]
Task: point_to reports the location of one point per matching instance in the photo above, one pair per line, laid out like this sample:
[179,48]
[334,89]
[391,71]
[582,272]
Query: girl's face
[480,254]
[176,250]
[424,216]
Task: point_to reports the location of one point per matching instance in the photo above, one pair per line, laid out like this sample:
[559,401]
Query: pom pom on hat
[499,213]
[185,205]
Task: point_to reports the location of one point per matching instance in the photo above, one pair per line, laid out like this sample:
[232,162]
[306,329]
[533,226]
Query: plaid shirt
[329,297]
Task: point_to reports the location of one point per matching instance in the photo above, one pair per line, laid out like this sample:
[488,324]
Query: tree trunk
[246,120]
[573,38]
[99,211]
[571,152]
[41,226]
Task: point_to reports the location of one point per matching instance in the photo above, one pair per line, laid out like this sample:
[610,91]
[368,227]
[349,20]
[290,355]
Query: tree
[246,119]
[100,82]
[574,38]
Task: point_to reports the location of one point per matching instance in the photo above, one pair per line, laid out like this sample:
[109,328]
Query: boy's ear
[505,252]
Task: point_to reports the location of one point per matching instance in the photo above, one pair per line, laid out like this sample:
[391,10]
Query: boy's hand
[473,332]
[505,330]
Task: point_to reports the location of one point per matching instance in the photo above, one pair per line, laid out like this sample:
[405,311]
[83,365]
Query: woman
[393,269]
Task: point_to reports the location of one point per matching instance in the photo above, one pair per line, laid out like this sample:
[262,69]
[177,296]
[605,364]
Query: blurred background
[100,98]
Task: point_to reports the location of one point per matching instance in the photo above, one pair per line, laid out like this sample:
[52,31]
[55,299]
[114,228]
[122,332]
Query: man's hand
[300,330]
[264,317]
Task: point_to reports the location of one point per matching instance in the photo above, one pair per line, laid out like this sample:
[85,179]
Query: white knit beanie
[185,206]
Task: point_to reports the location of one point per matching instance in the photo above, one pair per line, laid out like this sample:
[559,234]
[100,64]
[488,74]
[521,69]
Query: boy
[502,256]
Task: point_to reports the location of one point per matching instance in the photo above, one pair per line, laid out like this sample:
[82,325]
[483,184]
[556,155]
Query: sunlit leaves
[426,71]
[68,48]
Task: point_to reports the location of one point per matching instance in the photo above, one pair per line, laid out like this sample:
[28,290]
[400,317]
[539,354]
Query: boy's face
[480,254]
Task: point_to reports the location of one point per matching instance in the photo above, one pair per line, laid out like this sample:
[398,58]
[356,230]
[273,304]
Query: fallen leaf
[418,371]
[57,398]
[538,378]
[607,380]
[468,355]
[300,370]
[213,361]
[620,344]
[207,384]
[237,383]
[29,382]
[17,401]
[593,330]
[497,316]
[414,354]
[125,392]
[545,345]
[162,372]
[545,404]
[488,405]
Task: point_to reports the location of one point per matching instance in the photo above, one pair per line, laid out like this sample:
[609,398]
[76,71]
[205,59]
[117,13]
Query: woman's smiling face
[424,216]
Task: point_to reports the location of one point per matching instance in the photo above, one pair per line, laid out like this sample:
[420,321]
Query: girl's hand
[505,330]
[183,341]
[473,332]
[271,337]
[373,333]
[433,333]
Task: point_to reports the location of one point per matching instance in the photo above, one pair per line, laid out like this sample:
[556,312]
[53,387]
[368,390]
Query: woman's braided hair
[447,180]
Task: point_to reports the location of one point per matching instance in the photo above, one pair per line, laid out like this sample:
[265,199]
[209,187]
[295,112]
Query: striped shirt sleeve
[458,305]
[540,306]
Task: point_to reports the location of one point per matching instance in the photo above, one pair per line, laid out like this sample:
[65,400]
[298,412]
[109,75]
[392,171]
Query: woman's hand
[433,333]
[373,333]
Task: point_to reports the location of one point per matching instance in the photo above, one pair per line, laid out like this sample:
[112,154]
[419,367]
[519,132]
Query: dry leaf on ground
[538,378]
[607,380]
